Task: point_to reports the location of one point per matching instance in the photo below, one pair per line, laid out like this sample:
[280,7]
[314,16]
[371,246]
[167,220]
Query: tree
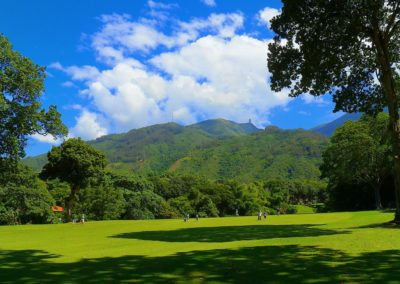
[359,154]
[101,202]
[24,198]
[21,114]
[76,163]
[349,49]
[142,204]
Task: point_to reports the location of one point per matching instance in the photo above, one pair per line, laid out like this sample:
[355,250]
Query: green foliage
[75,163]
[225,128]
[101,202]
[191,150]
[21,205]
[145,205]
[279,191]
[59,191]
[21,114]
[332,47]
[182,205]
[359,155]
[167,211]
[23,197]
[348,49]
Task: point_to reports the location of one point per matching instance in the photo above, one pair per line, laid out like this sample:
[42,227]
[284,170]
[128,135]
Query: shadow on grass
[386,225]
[230,233]
[277,264]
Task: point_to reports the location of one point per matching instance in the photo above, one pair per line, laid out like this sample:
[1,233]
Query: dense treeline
[26,199]
[355,165]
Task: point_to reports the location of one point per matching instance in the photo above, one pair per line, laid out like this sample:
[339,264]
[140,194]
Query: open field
[316,248]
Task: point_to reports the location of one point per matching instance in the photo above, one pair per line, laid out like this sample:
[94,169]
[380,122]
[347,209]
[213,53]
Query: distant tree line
[74,178]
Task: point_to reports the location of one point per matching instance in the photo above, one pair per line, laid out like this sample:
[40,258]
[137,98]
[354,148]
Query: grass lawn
[311,248]
[303,209]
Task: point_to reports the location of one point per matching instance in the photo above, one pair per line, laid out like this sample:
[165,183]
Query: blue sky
[115,65]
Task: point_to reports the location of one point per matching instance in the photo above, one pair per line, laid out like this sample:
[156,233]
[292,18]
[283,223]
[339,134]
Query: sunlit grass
[355,247]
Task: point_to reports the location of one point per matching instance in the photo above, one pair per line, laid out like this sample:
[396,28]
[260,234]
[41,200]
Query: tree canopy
[21,113]
[76,163]
[349,49]
[359,153]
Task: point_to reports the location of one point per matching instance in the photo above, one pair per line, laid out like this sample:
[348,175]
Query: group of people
[186,217]
[260,214]
[82,220]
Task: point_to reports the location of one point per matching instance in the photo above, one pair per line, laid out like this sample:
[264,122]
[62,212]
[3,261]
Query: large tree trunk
[69,203]
[388,84]
[394,129]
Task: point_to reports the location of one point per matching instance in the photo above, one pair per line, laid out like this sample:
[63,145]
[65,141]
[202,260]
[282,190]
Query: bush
[291,209]
[22,205]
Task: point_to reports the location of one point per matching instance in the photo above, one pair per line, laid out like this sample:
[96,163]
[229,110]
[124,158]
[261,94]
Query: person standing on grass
[83,219]
[197,216]
[259,215]
[237,212]
[265,215]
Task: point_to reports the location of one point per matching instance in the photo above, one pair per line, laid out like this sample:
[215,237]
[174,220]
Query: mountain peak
[224,128]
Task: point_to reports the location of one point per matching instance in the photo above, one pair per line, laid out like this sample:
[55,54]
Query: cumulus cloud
[48,139]
[88,126]
[78,73]
[210,3]
[201,69]
[265,15]
[120,37]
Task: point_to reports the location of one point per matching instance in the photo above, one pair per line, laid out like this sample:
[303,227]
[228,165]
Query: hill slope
[225,128]
[217,149]
[329,128]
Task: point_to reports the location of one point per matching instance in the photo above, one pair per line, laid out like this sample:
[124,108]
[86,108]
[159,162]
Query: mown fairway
[317,248]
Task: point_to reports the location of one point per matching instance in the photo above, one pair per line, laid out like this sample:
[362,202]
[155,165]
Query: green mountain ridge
[217,149]
[329,128]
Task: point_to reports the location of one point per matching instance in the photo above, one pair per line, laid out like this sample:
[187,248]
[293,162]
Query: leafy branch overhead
[21,113]
[349,49]
[335,47]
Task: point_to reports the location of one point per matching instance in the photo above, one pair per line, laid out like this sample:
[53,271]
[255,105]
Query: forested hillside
[217,149]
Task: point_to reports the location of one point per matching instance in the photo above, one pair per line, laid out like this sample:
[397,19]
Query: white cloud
[210,3]
[265,15]
[159,5]
[48,139]
[78,73]
[120,37]
[69,84]
[204,69]
[88,126]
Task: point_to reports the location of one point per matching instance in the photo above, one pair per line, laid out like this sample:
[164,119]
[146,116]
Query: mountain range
[217,149]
